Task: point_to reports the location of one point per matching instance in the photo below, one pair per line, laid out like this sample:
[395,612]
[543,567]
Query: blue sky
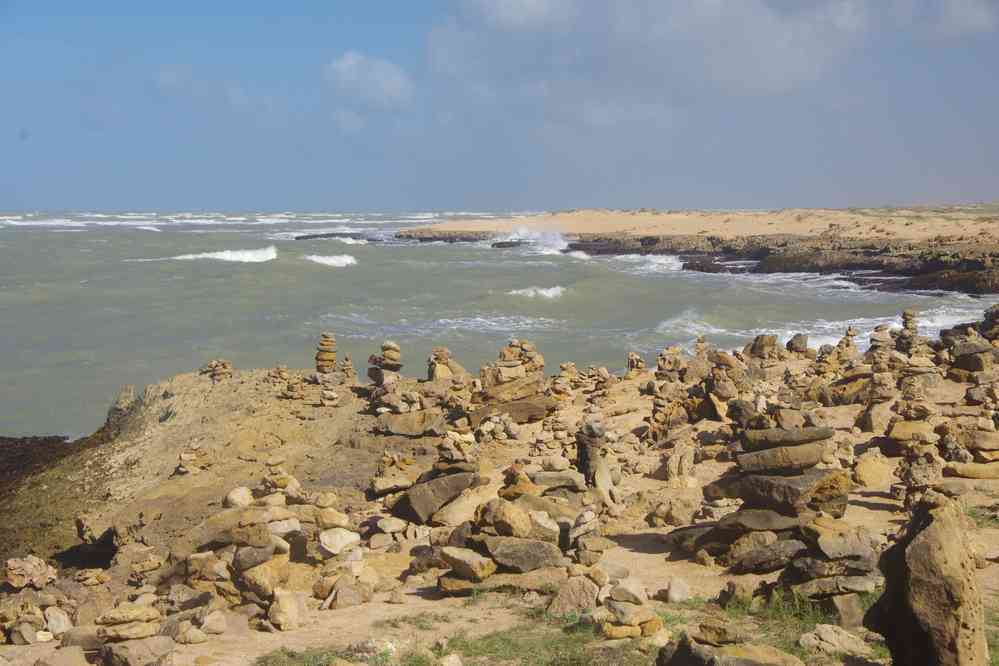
[498,104]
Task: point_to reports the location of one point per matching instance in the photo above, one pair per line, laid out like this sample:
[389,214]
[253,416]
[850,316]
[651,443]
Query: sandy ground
[898,223]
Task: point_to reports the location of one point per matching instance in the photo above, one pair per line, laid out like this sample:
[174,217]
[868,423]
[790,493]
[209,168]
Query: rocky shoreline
[922,265]
[277,504]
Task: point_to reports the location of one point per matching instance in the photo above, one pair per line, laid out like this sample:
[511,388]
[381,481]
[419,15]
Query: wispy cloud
[370,80]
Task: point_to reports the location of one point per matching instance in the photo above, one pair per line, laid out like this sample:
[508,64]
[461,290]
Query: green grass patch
[782,620]
[992,634]
[544,644]
[984,517]
[321,657]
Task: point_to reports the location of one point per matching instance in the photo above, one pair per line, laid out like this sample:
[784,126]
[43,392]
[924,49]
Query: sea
[91,301]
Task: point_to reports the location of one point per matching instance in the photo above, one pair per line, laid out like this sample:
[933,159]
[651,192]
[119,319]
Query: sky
[497,104]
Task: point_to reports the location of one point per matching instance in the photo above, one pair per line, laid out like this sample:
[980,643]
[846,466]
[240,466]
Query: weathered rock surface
[931,610]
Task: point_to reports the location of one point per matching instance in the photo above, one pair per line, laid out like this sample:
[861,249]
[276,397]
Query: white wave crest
[352,241]
[242,256]
[540,242]
[551,293]
[689,323]
[335,261]
[650,263]
[578,254]
[148,228]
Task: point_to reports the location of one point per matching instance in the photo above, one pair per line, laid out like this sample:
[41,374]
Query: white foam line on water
[550,293]
[149,228]
[690,323]
[650,263]
[239,256]
[334,261]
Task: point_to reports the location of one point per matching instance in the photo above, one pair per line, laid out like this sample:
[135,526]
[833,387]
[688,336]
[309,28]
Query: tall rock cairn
[326,353]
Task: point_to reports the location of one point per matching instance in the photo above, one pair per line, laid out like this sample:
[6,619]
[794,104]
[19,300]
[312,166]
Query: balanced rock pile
[218,369]
[553,438]
[440,365]
[385,367]
[636,365]
[783,489]
[496,429]
[347,371]
[326,353]
[518,373]
[278,375]
[446,494]
[294,389]
[561,385]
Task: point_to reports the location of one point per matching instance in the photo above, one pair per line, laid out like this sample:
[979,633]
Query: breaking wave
[239,256]
[551,293]
[334,261]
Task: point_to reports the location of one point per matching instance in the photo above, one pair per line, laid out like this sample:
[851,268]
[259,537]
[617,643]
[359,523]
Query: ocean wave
[352,241]
[690,323]
[578,254]
[363,326]
[334,261]
[149,228]
[538,242]
[551,293]
[650,263]
[239,256]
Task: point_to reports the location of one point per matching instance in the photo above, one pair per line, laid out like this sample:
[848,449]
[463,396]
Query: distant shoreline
[950,248]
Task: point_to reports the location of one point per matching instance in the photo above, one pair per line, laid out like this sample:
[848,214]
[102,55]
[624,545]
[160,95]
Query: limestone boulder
[931,609]
[468,564]
[422,501]
[576,595]
[523,555]
[768,438]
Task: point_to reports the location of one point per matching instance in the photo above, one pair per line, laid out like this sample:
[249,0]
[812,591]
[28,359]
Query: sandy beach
[953,223]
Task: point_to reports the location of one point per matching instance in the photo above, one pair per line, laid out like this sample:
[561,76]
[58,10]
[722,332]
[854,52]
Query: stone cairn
[636,365]
[561,386]
[518,373]
[440,365]
[250,545]
[793,494]
[218,369]
[347,371]
[278,375]
[496,429]
[385,367]
[553,438]
[326,353]
[294,389]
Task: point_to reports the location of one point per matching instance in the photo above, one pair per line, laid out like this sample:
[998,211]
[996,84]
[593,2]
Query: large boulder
[931,610]
[423,500]
[782,458]
[817,489]
[768,438]
[523,555]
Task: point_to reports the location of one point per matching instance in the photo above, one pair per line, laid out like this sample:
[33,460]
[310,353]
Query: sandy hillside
[899,223]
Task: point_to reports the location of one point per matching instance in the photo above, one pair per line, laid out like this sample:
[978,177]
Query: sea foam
[551,293]
[335,261]
[242,256]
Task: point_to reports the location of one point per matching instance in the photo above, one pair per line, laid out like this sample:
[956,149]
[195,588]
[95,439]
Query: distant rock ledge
[926,265]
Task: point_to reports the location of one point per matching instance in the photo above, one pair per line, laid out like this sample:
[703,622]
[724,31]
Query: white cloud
[370,80]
